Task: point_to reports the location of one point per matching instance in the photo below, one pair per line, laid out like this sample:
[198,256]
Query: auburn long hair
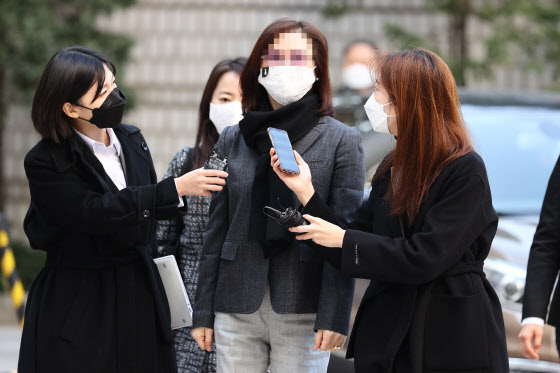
[431,130]
[253,90]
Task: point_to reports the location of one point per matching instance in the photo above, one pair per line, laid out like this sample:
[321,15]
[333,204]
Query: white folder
[179,305]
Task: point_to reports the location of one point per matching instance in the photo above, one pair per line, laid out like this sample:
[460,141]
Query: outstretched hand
[201,182]
[320,231]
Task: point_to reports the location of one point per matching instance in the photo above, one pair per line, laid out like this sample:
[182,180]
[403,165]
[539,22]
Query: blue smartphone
[281,143]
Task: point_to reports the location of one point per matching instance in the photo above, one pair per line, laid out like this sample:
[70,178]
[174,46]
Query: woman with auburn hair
[270,300]
[421,237]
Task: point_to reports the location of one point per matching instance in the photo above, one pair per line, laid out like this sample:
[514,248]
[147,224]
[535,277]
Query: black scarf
[297,118]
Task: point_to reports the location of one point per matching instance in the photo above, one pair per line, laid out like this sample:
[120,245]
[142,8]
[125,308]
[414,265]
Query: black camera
[287,218]
[215,162]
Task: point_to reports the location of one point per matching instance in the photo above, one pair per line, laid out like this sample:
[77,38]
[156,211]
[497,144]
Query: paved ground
[9,347]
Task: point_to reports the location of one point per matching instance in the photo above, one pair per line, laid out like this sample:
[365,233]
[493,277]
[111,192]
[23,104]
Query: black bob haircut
[70,73]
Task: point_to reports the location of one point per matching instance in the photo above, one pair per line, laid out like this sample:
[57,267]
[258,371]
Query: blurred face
[227,90]
[360,53]
[90,101]
[291,54]
[289,49]
[382,97]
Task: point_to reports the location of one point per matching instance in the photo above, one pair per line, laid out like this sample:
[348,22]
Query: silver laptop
[179,305]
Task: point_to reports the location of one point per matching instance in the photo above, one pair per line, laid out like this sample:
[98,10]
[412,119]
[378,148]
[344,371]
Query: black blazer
[544,258]
[98,305]
[429,307]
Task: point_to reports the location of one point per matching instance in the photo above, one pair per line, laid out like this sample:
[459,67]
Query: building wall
[177,42]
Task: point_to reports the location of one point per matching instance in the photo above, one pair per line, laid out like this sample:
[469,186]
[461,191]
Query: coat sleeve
[449,228]
[214,237]
[544,258]
[169,231]
[361,220]
[345,195]
[68,199]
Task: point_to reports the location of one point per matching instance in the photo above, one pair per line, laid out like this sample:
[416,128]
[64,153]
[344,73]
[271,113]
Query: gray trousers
[256,342]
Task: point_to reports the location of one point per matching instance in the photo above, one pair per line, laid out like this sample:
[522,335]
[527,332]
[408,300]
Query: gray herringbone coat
[233,272]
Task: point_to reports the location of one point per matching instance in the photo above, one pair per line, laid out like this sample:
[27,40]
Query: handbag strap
[187,163]
[232,142]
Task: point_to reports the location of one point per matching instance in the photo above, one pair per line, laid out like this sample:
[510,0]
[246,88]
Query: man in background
[356,72]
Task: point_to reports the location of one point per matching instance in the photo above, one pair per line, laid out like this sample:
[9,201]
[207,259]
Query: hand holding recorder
[204,181]
[320,231]
[201,182]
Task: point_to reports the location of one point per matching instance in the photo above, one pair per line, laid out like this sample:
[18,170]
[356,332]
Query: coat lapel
[136,156]
[306,141]
[72,151]
[134,152]
[91,160]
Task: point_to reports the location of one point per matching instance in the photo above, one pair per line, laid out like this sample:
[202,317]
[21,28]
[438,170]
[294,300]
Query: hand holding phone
[281,143]
[301,184]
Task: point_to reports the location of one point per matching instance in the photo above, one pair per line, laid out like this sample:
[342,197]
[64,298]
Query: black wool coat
[429,307]
[98,305]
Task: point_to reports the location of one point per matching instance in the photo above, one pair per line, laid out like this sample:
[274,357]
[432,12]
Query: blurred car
[518,136]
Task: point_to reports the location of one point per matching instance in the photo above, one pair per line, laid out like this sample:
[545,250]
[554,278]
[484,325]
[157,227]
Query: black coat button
[146,213]
[144,146]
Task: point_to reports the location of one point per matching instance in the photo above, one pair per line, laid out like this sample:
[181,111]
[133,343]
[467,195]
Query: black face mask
[110,113]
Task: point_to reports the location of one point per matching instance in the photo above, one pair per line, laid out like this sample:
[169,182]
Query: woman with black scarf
[271,301]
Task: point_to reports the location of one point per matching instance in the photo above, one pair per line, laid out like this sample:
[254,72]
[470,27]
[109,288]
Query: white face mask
[376,115]
[357,76]
[287,84]
[224,115]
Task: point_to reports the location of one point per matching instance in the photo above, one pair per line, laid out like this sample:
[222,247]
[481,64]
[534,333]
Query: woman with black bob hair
[219,108]
[98,305]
